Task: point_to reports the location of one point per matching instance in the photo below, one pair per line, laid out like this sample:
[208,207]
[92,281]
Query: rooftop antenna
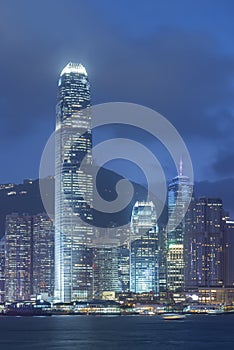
[181,167]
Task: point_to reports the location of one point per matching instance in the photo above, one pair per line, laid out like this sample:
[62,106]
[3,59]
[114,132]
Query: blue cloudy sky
[176,57]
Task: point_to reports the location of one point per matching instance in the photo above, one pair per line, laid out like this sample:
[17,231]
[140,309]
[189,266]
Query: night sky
[176,57]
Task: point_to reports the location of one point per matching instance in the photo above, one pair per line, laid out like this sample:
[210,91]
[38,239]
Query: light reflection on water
[118,332]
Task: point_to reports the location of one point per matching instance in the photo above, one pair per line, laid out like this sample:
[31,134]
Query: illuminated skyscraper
[18,268]
[179,193]
[144,249]
[43,255]
[124,268]
[73,256]
[105,267]
[229,253]
[204,244]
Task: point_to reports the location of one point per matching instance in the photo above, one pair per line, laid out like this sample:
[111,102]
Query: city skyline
[117,174]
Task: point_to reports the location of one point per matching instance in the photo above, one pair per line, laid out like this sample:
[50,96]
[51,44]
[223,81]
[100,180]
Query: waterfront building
[105,268]
[175,267]
[43,255]
[180,191]
[124,268]
[204,263]
[18,263]
[144,249]
[73,255]
[229,253]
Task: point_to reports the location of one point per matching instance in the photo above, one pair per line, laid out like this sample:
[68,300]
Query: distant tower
[73,257]
[144,249]
[180,191]
[18,268]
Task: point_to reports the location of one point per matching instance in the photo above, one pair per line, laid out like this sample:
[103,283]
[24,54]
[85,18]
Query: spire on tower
[181,167]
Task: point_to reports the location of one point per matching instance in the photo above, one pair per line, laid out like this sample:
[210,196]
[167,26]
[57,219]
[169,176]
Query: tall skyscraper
[73,255]
[179,194]
[144,249]
[204,244]
[43,255]
[18,266]
[180,191]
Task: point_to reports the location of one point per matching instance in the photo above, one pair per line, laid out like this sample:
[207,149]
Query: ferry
[173,316]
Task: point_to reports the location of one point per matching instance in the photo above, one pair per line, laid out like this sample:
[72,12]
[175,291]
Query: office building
[105,267]
[18,264]
[43,255]
[73,255]
[180,191]
[204,264]
[144,249]
[2,269]
[124,268]
[229,253]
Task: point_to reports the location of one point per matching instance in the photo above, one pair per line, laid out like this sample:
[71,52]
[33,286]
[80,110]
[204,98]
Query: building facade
[124,268]
[43,255]
[105,267]
[204,263]
[18,263]
[73,255]
[229,253]
[2,269]
[144,274]
[180,191]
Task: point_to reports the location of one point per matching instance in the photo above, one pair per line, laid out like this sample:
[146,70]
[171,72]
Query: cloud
[181,72]
[224,164]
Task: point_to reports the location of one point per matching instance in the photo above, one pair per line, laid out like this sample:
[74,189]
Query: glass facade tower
[180,191]
[73,256]
[144,249]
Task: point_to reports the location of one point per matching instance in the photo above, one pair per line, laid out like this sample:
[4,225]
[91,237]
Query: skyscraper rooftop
[74,68]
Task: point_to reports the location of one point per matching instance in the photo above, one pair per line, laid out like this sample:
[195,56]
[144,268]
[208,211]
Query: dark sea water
[118,332]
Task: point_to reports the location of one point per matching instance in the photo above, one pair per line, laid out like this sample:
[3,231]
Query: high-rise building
[179,194]
[204,264]
[162,257]
[2,269]
[18,265]
[105,267]
[43,255]
[73,255]
[229,254]
[180,191]
[175,267]
[144,249]
[124,268]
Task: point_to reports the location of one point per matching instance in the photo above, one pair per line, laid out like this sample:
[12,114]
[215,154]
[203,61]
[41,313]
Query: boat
[215,312]
[173,316]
